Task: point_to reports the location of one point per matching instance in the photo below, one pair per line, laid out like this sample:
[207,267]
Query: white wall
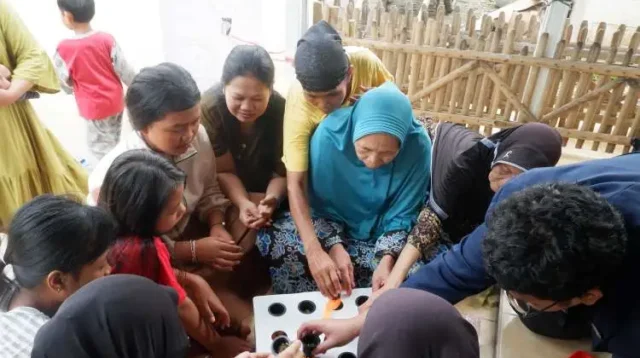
[186,32]
[613,12]
[192,34]
[137,29]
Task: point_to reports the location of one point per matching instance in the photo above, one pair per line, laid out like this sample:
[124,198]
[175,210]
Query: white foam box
[269,319]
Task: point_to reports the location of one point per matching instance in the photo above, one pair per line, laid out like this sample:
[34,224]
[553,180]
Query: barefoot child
[144,192]
[92,66]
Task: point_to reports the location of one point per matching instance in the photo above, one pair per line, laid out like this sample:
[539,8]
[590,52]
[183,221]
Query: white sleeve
[125,71]
[63,73]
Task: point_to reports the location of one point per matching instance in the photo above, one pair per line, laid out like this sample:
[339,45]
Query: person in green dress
[32,161]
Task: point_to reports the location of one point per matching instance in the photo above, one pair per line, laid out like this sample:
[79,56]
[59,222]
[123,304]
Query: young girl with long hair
[144,192]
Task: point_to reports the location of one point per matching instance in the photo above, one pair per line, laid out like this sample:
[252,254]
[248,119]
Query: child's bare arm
[196,327]
[124,70]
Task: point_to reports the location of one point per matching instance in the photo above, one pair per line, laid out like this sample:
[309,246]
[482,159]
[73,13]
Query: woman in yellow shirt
[329,77]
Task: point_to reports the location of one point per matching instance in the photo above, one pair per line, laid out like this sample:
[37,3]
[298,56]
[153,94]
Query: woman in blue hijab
[368,178]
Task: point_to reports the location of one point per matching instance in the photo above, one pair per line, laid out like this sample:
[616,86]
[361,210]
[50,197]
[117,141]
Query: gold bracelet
[194,257]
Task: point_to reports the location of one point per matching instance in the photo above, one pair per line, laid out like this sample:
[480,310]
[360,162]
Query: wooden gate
[482,72]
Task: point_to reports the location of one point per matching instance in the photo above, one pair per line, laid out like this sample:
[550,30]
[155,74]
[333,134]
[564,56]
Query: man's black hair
[554,241]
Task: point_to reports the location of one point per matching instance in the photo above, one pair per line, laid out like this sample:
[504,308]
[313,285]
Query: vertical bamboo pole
[630,101]
[497,34]
[388,38]
[582,88]
[429,66]
[455,33]
[616,94]
[428,23]
[570,77]
[317,11]
[401,55]
[530,85]
[627,111]
[504,71]
[634,131]
[470,89]
[440,42]
[334,12]
[444,68]
[516,81]
[594,106]
[418,38]
[552,82]
[325,12]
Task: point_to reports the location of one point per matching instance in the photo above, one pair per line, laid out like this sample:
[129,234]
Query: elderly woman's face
[173,134]
[376,150]
[500,174]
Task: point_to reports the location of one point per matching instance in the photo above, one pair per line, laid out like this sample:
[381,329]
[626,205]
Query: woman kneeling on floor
[243,116]
[369,176]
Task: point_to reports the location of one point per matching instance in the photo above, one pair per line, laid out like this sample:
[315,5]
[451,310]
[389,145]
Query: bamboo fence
[482,72]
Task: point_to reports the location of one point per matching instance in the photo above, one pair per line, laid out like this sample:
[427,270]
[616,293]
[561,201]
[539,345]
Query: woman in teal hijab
[368,178]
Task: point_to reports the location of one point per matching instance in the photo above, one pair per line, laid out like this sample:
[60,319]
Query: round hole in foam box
[307,307]
[347,355]
[277,309]
[361,300]
[279,344]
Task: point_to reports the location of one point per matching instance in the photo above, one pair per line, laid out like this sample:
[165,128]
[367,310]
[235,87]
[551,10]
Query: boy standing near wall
[92,66]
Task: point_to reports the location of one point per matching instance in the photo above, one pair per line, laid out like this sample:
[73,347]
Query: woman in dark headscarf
[121,316]
[403,323]
[467,170]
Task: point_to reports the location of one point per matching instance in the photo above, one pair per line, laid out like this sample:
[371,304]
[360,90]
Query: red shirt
[149,259]
[96,85]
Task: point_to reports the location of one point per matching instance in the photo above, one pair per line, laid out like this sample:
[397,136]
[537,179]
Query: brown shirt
[257,157]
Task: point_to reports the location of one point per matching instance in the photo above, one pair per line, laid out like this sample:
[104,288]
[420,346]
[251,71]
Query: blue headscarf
[370,202]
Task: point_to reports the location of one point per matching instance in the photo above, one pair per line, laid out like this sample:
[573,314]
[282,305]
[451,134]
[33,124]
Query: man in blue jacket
[556,239]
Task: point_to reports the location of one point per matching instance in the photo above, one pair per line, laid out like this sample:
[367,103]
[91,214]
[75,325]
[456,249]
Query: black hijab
[122,316]
[461,162]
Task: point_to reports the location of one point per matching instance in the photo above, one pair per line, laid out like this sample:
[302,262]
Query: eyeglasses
[524,309]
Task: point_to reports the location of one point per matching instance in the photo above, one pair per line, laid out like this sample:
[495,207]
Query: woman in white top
[164,108]
[55,246]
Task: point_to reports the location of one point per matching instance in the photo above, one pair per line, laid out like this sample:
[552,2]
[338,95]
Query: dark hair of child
[159,90]
[81,10]
[135,190]
[53,233]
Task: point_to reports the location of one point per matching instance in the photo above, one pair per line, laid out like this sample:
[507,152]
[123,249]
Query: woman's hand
[293,351]
[324,271]
[221,253]
[250,215]
[208,304]
[337,332]
[382,272]
[267,207]
[342,259]
[367,305]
